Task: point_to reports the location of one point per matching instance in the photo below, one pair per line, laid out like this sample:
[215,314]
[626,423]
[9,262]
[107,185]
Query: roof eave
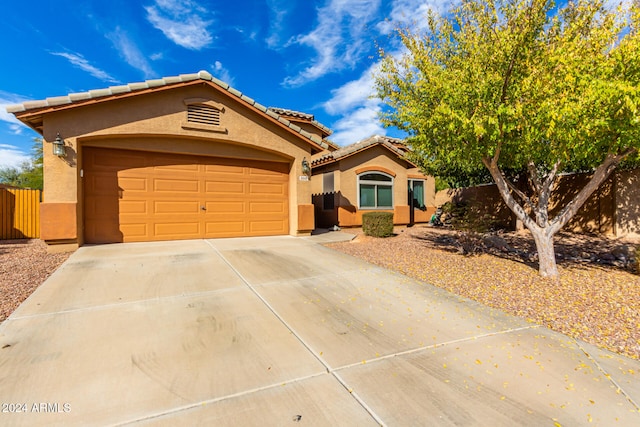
[322,162]
[32,113]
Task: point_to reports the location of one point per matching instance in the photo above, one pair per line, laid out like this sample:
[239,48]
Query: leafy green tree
[525,86]
[29,173]
[10,175]
[32,171]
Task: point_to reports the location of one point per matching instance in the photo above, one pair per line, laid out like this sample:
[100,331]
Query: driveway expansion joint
[434,346]
[121,304]
[608,376]
[300,339]
[219,399]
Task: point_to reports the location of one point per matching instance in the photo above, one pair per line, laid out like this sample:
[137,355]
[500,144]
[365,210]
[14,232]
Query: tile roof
[395,145]
[96,94]
[292,113]
[303,116]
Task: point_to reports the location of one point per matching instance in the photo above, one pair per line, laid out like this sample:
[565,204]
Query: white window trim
[377,183]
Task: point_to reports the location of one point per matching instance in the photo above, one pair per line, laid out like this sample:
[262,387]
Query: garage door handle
[202,208]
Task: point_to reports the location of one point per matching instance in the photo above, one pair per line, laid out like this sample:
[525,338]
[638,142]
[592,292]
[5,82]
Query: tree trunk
[542,229]
[547,266]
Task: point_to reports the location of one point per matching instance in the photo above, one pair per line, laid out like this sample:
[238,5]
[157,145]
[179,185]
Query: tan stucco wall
[154,121]
[373,157]
[346,173]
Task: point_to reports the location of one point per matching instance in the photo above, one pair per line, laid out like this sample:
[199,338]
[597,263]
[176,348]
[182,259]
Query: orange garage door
[132,196]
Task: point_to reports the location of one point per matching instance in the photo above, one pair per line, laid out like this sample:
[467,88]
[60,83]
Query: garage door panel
[266,207]
[103,184]
[224,207]
[260,189]
[133,207]
[179,230]
[131,184]
[231,170]
[102,206]
[140,196]
[104,160]
[225,187]
[161,185]
[176,207]
[265,174]
[225,229]
[135,232]
[175,168]
[267,227]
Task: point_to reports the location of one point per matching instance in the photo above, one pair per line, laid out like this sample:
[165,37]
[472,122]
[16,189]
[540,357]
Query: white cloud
[359,110]
[15,126]
[413,13]
[11,156]
[339,39]
[222,73]
[277,13]
[79,61]
[130,52]
[355,100]
[352,94]
[181,21]
[16,129]
[357,125]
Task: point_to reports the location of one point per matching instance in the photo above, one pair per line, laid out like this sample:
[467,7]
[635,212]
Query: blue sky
[312,56]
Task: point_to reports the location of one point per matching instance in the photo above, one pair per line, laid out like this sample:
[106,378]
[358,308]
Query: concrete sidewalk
[283,331]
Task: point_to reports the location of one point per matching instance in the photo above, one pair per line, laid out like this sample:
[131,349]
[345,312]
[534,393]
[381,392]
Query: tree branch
[548,182]
[507,77]
[496,156]
[601,173]
[544,194]
[503,188]
[520,194]
[533,173]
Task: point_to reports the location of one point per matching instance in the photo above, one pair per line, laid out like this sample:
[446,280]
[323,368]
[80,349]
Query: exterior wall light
[58,147]
[306,169]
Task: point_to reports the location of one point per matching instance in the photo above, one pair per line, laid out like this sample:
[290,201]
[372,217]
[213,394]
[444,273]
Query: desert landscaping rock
[596,298]
[24,265]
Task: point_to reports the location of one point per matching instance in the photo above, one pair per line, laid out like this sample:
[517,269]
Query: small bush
[377,224]
[637,257]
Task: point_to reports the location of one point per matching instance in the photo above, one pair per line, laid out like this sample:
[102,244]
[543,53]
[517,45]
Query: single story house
[190,157]
[370,175]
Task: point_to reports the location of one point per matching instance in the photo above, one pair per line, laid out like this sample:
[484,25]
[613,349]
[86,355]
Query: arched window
[375,191]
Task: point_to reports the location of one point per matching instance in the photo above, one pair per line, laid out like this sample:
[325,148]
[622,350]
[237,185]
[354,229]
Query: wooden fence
[20,213]
[613,209]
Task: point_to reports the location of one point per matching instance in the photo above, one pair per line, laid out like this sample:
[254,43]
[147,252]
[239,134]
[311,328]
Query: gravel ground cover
[596,298]
[24,265]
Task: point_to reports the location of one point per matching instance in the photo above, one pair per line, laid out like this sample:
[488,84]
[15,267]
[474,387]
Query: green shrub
[377,224]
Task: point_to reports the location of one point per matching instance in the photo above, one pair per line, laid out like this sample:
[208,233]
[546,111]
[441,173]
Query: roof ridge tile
[166,81]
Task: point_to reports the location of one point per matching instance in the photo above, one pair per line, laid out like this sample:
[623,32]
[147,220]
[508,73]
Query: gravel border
[24,265]
[596,298]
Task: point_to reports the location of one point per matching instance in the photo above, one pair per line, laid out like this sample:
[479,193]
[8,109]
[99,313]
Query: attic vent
[203,114]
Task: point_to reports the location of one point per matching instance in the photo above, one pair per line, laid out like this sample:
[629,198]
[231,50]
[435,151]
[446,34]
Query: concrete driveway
[283,331]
